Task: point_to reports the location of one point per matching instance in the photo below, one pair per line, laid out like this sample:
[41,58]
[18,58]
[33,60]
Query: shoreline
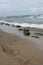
[34,33]
[32,26]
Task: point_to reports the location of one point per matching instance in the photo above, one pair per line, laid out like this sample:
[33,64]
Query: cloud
[21,6]
[35,10]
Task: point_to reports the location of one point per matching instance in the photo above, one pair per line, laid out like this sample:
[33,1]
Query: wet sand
[18,51]
[36,35]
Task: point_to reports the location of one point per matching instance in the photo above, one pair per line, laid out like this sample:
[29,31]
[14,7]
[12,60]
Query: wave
[24,24]
[35,17]
[40,17]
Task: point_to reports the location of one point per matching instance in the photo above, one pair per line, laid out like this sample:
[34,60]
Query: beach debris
[35,36]
[26,32]
[2,23]
[20,29]
[12,25]
[7,24]
[17,26]
[40,34]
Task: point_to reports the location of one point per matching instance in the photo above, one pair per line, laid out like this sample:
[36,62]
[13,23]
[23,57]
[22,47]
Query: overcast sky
[20,7]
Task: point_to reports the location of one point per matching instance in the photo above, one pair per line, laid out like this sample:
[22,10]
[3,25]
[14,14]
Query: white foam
[40,17]
[24,24]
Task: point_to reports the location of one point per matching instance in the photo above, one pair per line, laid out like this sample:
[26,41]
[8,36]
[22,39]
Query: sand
[17,51]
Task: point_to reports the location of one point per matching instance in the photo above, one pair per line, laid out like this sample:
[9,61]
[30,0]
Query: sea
[26,21]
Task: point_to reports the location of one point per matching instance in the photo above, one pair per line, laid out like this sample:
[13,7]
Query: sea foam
[24,24]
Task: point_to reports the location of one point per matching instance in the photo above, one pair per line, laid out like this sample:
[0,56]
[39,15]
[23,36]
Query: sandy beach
[17,51]
[21,32]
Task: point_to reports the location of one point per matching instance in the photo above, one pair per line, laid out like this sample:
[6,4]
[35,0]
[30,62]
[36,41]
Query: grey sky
[21,7]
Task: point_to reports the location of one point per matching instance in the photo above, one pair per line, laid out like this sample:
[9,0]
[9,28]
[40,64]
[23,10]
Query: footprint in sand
[13,42]
[27,62]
